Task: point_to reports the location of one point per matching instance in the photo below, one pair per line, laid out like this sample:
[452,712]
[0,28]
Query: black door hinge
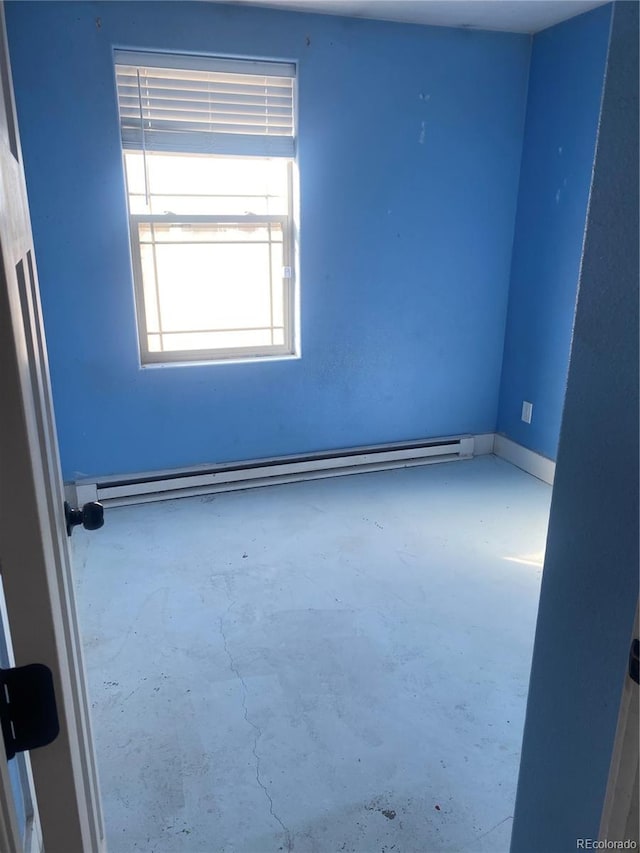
[28,712]
[634,660]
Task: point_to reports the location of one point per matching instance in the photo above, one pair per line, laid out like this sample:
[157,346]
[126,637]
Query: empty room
[308,275]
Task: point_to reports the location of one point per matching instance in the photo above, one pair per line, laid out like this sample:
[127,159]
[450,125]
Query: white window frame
[290,347]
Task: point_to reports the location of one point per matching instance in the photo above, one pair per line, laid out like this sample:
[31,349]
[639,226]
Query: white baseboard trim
[187,482]
[533,463]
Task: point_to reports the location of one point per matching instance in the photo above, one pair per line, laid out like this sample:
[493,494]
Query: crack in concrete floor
[289,840]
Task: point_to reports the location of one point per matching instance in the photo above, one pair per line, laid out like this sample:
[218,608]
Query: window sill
[213,362]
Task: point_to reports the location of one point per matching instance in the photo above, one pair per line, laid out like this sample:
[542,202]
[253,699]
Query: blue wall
[565,87]
[590,581]
[409,151]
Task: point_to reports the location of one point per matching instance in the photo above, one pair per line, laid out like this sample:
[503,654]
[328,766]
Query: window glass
[198,184]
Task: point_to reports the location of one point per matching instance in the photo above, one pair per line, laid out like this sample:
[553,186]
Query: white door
[35,564]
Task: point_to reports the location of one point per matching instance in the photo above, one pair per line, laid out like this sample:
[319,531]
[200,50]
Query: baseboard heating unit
[164,485]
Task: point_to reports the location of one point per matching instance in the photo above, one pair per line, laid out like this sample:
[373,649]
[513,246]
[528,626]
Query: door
[35,563]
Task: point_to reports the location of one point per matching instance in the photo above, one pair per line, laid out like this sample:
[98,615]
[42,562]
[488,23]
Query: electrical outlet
[527,411]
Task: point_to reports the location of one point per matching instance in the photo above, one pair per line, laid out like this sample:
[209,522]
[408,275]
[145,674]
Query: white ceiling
[515,16]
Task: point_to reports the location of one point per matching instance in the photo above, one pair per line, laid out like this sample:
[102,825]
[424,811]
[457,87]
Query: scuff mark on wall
[422,132]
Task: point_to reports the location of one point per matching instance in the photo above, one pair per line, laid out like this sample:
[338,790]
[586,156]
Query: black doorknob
[91,516]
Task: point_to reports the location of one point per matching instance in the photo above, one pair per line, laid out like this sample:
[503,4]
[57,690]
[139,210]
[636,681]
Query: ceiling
[515,16]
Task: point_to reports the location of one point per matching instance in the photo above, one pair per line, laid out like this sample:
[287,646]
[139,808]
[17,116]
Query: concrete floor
[338,665]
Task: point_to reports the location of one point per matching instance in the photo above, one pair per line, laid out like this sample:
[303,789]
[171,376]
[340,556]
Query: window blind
[203,105]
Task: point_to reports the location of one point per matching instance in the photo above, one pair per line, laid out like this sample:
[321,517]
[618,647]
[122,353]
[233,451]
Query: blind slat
[131,94]
[130,107]
[130,117]
[202,87]
[206,126]
[213,109]
[258,145]
[175,74]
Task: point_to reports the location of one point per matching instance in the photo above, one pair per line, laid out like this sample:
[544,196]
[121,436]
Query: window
[208,150]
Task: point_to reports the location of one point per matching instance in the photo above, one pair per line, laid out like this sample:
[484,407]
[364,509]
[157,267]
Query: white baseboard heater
[164,485]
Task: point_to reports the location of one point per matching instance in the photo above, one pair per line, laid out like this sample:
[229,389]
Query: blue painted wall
[565,88]
[409,151]
[590,581]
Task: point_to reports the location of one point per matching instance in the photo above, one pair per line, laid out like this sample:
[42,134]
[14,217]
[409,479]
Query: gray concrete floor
[337,665]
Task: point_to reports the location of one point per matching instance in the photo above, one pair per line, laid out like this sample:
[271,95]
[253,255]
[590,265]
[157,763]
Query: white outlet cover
[527,411]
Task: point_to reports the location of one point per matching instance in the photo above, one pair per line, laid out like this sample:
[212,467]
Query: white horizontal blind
[203,105]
